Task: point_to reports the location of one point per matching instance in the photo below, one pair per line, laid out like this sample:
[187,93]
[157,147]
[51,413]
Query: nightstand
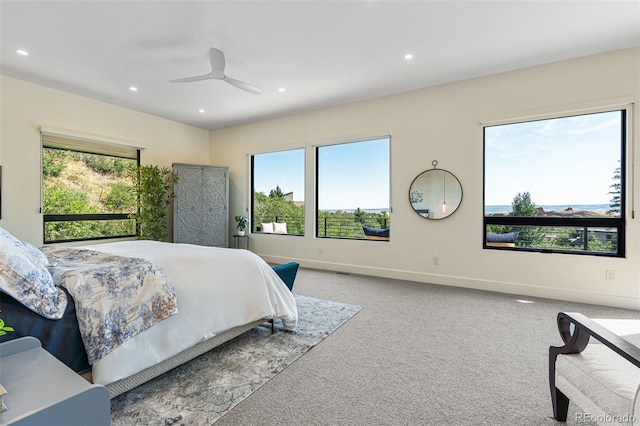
[238,241]
[41,390]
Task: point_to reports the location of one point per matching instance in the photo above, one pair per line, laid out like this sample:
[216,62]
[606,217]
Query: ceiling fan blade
[216,57]
[190,79]
[218,63]
[242,85]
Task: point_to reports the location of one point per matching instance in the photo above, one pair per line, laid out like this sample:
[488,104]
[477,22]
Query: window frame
[73,142]
[618,223]
[252,189]
[316,149]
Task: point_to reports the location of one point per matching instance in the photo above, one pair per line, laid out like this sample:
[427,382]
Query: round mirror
[435,193]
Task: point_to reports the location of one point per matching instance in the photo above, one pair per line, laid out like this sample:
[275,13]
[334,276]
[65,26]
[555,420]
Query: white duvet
[217,289]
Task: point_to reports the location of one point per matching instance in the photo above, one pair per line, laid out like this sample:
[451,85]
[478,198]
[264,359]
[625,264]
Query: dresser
[201,205]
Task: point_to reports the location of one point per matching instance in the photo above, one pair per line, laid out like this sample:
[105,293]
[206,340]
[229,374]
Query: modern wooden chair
[597,369]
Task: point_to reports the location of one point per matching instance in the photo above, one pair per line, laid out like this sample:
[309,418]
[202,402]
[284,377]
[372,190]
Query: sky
[351,175]
[561,161]
[284,169]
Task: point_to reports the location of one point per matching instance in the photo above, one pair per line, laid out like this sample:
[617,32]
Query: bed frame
[50,331]
[126,384]
[287,272]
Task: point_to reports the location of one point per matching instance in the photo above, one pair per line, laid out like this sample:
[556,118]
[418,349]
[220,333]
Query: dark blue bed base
[60,337]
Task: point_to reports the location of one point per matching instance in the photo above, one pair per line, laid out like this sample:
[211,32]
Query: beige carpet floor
[419,354]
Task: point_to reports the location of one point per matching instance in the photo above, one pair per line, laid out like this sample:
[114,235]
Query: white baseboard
[514,288]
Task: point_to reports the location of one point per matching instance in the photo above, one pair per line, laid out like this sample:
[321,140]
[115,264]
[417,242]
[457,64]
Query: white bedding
[218,289]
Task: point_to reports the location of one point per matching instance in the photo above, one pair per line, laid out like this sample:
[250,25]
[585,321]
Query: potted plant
[241,223]
[4,328]
[153,189]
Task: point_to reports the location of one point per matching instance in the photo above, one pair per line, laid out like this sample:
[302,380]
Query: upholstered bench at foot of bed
[287,273]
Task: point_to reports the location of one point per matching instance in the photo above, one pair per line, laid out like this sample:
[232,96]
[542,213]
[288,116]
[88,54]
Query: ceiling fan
[216,57]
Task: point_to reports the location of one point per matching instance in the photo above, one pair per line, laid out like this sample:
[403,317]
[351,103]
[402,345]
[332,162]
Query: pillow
[24,276]
[375,232]
[34,255]
[279,228]
[266,228]
[509,237]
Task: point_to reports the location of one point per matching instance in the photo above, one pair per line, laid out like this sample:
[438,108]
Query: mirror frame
[447,178]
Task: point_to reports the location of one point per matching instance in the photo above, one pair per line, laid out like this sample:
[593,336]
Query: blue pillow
[375,232]
[509,237]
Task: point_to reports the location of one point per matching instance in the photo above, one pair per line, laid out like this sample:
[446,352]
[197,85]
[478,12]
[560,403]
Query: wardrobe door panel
[215,214]
[201,205]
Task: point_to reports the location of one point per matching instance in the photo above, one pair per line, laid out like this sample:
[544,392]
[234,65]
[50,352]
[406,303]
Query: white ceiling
[323,52]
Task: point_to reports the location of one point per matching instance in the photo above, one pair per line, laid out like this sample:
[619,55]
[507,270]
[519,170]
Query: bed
[218,293]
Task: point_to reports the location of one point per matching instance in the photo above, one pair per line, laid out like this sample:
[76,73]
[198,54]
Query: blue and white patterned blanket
[116,297]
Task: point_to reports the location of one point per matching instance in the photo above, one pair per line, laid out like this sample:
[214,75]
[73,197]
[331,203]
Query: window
[85,189]
[558,184]
[277,181]
[353,189]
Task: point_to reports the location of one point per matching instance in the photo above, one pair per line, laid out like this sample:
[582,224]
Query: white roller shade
[52,138]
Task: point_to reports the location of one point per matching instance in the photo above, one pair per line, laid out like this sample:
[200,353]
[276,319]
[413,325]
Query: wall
[443,123]
[25,107]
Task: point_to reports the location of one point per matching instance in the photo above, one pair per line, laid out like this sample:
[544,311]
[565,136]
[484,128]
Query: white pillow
[35,255]
[279,228]
[266,228]
[24,276]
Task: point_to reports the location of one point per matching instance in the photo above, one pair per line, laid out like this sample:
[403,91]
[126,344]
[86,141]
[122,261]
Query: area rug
[204,389]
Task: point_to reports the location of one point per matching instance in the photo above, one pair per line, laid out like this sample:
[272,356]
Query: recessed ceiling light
[408,56]
[133,88]
[201,111]
[524,301]
[282,89]
[22,52]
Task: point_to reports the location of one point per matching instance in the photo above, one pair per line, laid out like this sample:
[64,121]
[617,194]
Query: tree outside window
[278,191]
[558,183]
[86,191]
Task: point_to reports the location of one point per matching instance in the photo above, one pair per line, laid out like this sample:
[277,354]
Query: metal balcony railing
[328,227]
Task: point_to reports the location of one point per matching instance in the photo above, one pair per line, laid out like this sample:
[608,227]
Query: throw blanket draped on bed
[116,297]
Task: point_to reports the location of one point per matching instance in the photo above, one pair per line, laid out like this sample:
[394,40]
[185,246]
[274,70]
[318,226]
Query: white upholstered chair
[598,369]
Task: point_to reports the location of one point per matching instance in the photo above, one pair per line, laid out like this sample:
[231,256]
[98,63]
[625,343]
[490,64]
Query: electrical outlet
[320,250]
[611,275]
[436,260]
